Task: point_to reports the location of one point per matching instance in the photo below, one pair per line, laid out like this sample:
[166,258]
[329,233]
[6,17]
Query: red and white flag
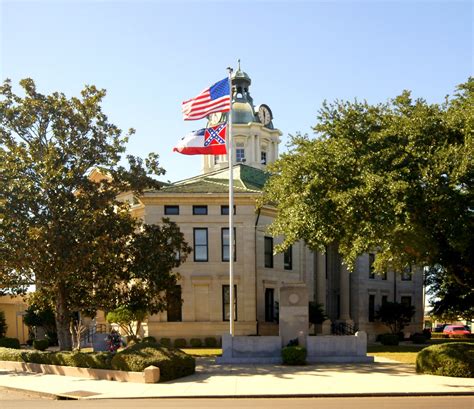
[206,141]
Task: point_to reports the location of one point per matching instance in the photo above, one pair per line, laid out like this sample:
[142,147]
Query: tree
[395,315]
[63,225]
[396,178]
[128,320]
[450,301]
[37,315]
[316,314]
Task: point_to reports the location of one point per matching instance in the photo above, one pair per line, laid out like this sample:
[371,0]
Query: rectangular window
[288,258]
[406,274]
[371,308]
[200,210]
[406,300]
[200,244]
[171,210]
[226,303]
[239,154]
[225,210]
[269,252]
[384,299]
[263,158]
[173,304]
[371,265]
[384,275]
[225,244]
[269,305]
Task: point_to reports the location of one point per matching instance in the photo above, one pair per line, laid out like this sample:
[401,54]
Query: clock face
[264,114]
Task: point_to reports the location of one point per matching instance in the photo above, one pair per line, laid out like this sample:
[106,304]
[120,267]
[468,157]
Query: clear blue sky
[151,55]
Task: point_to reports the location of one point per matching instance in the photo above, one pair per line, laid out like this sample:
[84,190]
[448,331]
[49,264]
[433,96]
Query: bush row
[6,342]
[209,342]
[173,363]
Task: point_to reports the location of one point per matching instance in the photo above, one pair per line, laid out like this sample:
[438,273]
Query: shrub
[418,338]
[3,324]
[293,355]
[96,360]
[40,344]
[451,359]
[149,339]
[210,342]
[166,342]
[179,343]
[389,339]
[13,343]
[195,342]
[9,354]
[172,363]
[438,335]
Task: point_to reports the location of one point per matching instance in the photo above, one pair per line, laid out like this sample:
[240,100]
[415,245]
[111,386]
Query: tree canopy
[396,178]
[64,230]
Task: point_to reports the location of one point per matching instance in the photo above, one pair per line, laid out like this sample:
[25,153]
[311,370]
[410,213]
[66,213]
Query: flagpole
[231,210]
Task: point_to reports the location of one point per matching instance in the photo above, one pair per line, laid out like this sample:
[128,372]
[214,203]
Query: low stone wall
[258,349]
[149,375]
[338,348]
[321,348]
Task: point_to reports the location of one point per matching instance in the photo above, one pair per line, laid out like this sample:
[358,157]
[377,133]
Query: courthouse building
[199,205]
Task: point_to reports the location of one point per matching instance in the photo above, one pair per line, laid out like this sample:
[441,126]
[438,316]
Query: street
[16,400]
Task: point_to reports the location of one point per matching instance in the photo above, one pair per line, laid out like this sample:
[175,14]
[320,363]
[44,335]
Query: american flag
[216,98]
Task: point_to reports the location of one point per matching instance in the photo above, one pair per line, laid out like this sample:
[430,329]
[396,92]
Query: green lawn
[401,353]
[406,353]
[202,351]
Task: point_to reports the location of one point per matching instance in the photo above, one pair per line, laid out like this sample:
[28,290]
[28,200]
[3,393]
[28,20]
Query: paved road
[422,402]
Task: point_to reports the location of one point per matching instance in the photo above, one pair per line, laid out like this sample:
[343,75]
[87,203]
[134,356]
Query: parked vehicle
[439,327]
[455,330]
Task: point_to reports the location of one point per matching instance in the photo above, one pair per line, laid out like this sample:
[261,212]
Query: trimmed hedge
[293,355]
[210,342]
[95,360]
[13,343]
[149,339]
[195,342]
[451,359]
[179,343]
[389,339]
[40,344]
[165,342]
[173,363]
[418,338]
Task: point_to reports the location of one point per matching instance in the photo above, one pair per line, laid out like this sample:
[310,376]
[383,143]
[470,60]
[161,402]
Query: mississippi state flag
[216,98]
[206,141]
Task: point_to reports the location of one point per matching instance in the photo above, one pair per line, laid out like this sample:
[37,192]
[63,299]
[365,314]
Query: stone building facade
[199,205]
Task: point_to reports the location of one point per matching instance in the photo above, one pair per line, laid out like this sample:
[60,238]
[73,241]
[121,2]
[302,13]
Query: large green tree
[62,229]
[395,177]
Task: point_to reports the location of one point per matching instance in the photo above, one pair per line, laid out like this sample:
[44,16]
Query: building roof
[246,180]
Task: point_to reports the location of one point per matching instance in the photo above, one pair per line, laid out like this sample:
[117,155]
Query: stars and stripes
[216,98]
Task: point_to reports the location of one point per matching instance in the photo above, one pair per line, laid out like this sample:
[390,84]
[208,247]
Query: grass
[406,353]
[202,351]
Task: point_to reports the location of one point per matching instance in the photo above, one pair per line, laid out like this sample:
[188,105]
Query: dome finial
[238,61]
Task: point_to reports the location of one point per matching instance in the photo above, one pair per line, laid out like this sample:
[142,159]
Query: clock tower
[254,138]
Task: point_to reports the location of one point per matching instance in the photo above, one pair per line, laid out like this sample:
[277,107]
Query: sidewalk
[384,377]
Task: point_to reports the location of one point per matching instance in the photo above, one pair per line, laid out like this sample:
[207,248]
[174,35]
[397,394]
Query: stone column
[320,281]
[345,295]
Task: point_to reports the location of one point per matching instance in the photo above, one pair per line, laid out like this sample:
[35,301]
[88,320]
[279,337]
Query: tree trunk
[63,318]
